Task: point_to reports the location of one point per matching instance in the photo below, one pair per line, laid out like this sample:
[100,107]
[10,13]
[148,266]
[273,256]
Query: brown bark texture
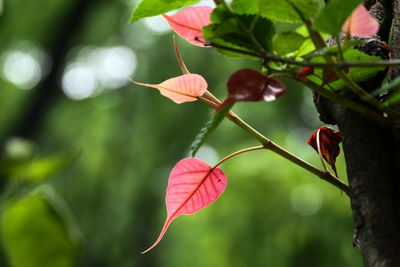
[372,154]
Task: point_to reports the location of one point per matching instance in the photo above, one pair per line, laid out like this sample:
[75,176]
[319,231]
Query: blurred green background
[85,155]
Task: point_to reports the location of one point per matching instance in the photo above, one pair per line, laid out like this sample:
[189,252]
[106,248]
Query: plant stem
[348,103]
[237,153]
[319,43]
[214,102]
[336,64]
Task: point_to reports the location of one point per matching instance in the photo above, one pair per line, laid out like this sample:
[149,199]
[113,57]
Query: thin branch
[336,64]
[268,144]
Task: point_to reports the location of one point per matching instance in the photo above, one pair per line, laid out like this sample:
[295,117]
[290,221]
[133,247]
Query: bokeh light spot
[306,200]
[24,65]
[79,82]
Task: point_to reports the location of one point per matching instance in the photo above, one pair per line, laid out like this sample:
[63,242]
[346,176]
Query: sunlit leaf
[184,88]
[148,8]
[360,23]
[251,85]
[192,185]
[287,42]
[279,10]
[326,142]
[189,23]
[210,126]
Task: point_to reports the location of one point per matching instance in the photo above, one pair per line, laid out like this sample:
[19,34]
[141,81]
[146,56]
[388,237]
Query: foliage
[247,29]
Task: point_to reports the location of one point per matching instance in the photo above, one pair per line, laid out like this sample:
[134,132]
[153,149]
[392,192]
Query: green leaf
[395,84]
[358,74]
[249,33]
[34,170]
[394,99]
[279,10]
[210,126]
[35,236]
[148,8]
[334,14]
[287,42]
[331,51]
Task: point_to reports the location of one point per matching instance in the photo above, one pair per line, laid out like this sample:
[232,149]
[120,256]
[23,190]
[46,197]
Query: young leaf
[334,14]
[251,85]
[360,23]
[326,142]
[184,88]
[189,23]
[210,126]
[148,8]
[192,185]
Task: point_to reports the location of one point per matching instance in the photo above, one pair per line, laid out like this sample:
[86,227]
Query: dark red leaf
[329,75]
[304,72]
[251,85]
[328,143]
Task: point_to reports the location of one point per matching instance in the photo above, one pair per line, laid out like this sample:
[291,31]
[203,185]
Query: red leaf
[329,75]
[304,72]
[326,142]
[184,88]
[189,23]
[361,23]
[192,185]
[251,85]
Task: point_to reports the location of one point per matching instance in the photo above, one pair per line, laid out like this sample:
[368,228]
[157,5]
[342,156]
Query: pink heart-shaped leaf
[361,23]
[184,88]
[192,185]
[251,85]
[189,23]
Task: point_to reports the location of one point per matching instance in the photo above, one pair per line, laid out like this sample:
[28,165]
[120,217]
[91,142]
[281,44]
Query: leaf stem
[237,153]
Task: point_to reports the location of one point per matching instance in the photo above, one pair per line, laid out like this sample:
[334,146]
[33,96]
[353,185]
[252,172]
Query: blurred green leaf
[34,235]
[279,10]
[334,14]
[210,126]
[394,99]
[35,170]
[148,8]
[287,42]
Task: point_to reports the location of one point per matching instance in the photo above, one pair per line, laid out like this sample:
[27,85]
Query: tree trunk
[372,154]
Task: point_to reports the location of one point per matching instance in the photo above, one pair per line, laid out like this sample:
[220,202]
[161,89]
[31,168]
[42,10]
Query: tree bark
[372,154]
